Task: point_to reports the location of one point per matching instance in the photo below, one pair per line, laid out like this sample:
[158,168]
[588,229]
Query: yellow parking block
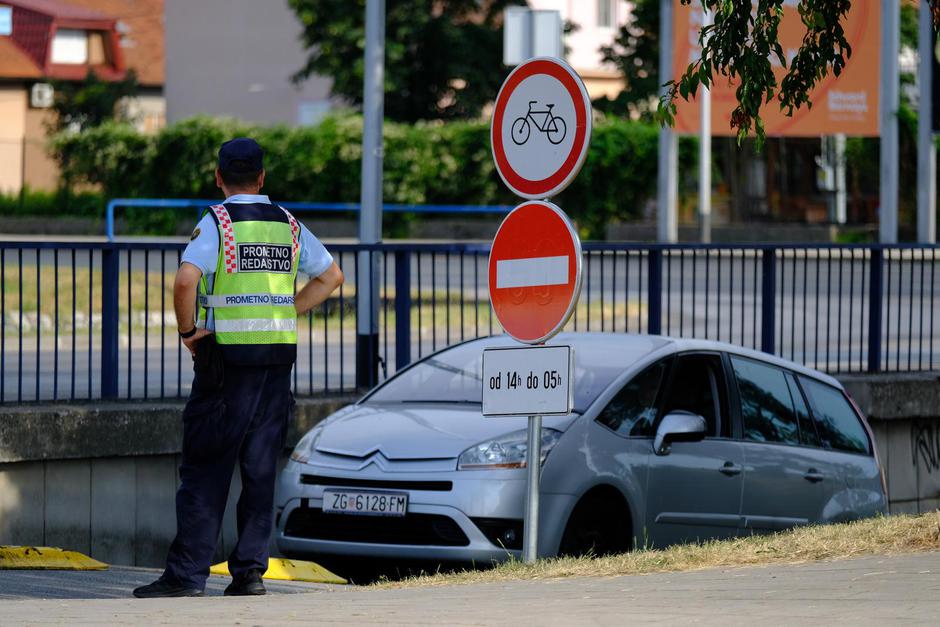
[45,558]
[290,570]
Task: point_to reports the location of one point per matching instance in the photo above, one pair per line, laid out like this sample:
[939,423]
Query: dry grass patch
[883,535]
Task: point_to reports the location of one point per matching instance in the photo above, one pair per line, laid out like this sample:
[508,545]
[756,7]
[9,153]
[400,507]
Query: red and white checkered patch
[228,238]
[294,232]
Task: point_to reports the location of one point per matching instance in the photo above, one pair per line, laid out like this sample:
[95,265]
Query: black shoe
[249,584]
[161,589]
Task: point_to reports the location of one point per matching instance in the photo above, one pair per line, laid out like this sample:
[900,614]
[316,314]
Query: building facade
[235,58]
[62,40]
[597,23]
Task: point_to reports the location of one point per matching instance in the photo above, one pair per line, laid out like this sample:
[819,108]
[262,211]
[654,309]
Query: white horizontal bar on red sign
[532,272]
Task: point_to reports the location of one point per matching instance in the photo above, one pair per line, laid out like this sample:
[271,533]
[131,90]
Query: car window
[808,435]
[767,410]
[697,385]
[838,426]
[633,410]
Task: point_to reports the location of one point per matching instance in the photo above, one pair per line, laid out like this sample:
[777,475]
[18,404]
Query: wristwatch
[188,334]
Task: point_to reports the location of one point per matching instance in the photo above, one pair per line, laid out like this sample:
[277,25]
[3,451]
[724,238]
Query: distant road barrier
[198,203]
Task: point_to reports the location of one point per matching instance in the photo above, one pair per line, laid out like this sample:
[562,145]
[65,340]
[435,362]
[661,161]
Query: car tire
[598,525]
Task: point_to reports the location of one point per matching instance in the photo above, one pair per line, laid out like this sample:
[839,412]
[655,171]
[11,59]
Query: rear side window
[632,411]
[766,405]
[838,426]
[808,435]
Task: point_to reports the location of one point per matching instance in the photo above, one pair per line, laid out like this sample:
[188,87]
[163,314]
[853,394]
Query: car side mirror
[678,426]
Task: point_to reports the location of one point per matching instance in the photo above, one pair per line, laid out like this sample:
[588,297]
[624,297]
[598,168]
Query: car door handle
[730,469]
[813,476]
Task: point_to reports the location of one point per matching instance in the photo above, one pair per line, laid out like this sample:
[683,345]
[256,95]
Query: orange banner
[847,104]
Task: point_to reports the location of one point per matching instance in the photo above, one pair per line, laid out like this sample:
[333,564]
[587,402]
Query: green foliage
[33,203]
[89,103]
[113,155]
[425,163]
[742,43]
[442,57]
[635,52]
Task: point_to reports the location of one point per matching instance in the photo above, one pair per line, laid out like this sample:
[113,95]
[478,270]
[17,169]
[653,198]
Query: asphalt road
[901,589]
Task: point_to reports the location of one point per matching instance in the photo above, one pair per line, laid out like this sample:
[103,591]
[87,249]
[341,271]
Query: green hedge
[37,203]
[424,163]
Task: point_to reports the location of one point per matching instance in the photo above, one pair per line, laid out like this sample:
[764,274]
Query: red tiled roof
[14,63]
[59,9]
[142,41]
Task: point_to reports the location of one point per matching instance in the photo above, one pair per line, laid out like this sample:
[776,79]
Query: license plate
[365,503]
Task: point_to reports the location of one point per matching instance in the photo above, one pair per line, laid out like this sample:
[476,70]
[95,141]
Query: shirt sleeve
[203,249]
[314,258]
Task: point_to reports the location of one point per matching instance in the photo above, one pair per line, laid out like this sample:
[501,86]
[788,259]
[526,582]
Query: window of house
[605,13]
[6,20]
[70,46]
[97,48]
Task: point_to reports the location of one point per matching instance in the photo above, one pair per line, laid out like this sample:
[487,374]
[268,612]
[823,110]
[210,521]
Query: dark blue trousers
[238,416]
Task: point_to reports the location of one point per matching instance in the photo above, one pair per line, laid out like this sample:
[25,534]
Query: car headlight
[307,445]
[508,451]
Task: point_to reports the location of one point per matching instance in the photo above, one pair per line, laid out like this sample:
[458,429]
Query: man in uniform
[241,330]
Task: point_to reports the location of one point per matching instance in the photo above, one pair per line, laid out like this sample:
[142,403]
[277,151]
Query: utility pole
[370,213]
[667,186]
[705,153]
[890,44]
[926,151]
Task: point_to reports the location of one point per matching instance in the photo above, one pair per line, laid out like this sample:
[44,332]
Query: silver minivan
[671,440]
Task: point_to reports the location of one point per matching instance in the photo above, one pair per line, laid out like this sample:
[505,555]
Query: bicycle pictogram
[552,125]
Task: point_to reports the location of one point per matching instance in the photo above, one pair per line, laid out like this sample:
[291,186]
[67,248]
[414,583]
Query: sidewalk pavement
[870,590]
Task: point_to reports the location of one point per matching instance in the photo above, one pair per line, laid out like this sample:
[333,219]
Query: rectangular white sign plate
[534,272]
[527,381]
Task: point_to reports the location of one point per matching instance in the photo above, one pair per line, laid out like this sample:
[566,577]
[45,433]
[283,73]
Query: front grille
[343,482]
[415,529]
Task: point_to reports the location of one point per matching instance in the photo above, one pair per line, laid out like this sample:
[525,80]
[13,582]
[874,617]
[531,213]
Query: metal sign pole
[370,215]
[530,532]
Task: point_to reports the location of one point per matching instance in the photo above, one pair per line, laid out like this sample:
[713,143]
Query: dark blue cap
[241,155]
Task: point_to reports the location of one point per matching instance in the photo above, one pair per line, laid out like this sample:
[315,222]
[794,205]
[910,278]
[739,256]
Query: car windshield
[455,375]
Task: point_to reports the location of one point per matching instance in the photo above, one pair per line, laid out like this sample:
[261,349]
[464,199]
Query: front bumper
[478,494]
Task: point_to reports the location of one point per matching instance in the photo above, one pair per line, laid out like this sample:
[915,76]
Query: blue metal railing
[325,207]
[85,320]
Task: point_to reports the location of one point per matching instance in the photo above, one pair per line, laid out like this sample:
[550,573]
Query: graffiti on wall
[925,445]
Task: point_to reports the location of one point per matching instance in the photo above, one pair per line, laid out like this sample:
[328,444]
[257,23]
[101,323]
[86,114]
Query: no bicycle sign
[541,128]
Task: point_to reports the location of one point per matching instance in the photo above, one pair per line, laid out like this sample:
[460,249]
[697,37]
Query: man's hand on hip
[190,342]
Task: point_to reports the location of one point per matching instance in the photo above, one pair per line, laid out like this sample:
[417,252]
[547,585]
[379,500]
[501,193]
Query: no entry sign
[535,271]
[541,128]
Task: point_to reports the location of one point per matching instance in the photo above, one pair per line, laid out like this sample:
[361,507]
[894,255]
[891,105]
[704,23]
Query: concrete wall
[42,172]
[102,479]
[904,413]
[235,58]
[12,128]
